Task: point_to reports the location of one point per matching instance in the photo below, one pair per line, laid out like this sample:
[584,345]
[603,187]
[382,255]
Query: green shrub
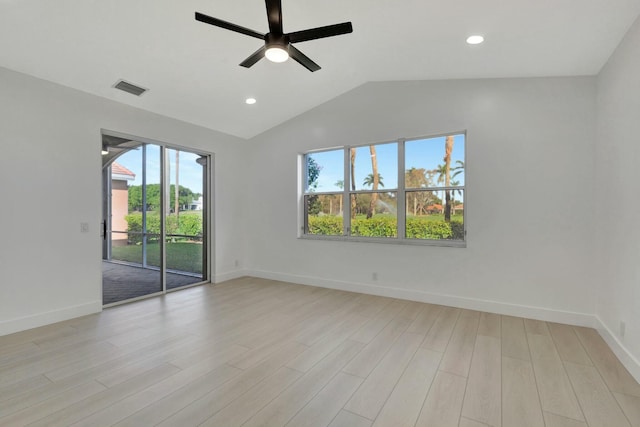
[190,224]
[377,226]
[325,225]
[457,230]
[420,229]
[134,225]
[386,226]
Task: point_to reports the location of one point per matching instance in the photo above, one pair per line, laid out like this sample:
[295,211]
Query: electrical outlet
[374,276]
[84,227]
[623,327]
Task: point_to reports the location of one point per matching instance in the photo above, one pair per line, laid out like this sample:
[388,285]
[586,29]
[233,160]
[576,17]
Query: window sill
[391,241]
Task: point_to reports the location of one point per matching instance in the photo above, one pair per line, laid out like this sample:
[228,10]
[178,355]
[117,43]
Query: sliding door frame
[208,208]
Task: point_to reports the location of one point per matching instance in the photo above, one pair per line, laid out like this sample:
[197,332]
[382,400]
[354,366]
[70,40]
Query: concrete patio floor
[122,282]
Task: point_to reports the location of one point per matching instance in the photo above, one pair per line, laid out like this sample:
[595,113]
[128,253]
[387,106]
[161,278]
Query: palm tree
[340,185]
[353,183]
[368,180]
[444,174]
[448,148]
[453,196]
[458,169]
[374,181]
[441,170]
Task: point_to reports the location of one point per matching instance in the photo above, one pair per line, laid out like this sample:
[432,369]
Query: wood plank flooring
[254,352]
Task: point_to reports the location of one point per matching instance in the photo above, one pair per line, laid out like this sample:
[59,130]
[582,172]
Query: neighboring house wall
[120,177]
[119,210]
[196,205]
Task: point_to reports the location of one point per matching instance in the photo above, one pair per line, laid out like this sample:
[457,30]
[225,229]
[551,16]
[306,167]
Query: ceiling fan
[278,46]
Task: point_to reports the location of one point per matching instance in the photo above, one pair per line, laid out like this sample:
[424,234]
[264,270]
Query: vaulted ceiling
[192,69]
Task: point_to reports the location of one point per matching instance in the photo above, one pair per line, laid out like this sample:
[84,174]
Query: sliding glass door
[155,220]
[185,256]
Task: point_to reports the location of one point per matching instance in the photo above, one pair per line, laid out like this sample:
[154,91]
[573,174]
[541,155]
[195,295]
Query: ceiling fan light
[276,54]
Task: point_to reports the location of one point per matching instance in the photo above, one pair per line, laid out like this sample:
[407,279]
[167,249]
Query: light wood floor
[262,353]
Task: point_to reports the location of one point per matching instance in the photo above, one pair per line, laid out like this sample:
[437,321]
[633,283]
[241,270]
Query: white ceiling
[192,68]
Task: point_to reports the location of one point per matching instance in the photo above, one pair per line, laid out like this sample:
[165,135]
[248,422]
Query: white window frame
[400,190]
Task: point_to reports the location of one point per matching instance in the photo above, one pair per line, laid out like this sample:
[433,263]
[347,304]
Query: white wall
[530,206]
[617,188]
[50,171]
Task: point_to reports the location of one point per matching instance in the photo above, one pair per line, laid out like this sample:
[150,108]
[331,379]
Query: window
[409,190]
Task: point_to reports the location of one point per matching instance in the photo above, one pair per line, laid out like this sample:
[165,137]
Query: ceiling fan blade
[255,57]
[320,32]
[274,15]
[303,59]
[227,25]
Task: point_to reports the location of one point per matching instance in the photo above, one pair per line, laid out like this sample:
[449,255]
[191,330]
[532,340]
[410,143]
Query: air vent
[130,88]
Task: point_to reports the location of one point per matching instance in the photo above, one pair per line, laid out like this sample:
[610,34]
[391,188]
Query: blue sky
[190,171]
[425,153]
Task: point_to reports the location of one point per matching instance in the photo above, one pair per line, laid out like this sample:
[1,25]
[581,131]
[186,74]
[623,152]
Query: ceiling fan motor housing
[276,40]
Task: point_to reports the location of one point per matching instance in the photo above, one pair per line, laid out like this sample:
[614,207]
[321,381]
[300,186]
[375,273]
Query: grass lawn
[182,256]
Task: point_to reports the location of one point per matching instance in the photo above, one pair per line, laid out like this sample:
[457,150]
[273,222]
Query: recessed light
[475,39]
[250,101]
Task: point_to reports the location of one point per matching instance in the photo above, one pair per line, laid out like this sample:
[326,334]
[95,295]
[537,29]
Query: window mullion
[402,200]
[302,191]
[346,198]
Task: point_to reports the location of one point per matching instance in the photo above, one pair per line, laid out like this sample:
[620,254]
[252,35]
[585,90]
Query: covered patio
[121,281]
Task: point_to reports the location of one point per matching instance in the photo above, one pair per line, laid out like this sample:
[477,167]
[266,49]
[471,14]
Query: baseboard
[626,358]
[41,319]
[538,313]
[223,277]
